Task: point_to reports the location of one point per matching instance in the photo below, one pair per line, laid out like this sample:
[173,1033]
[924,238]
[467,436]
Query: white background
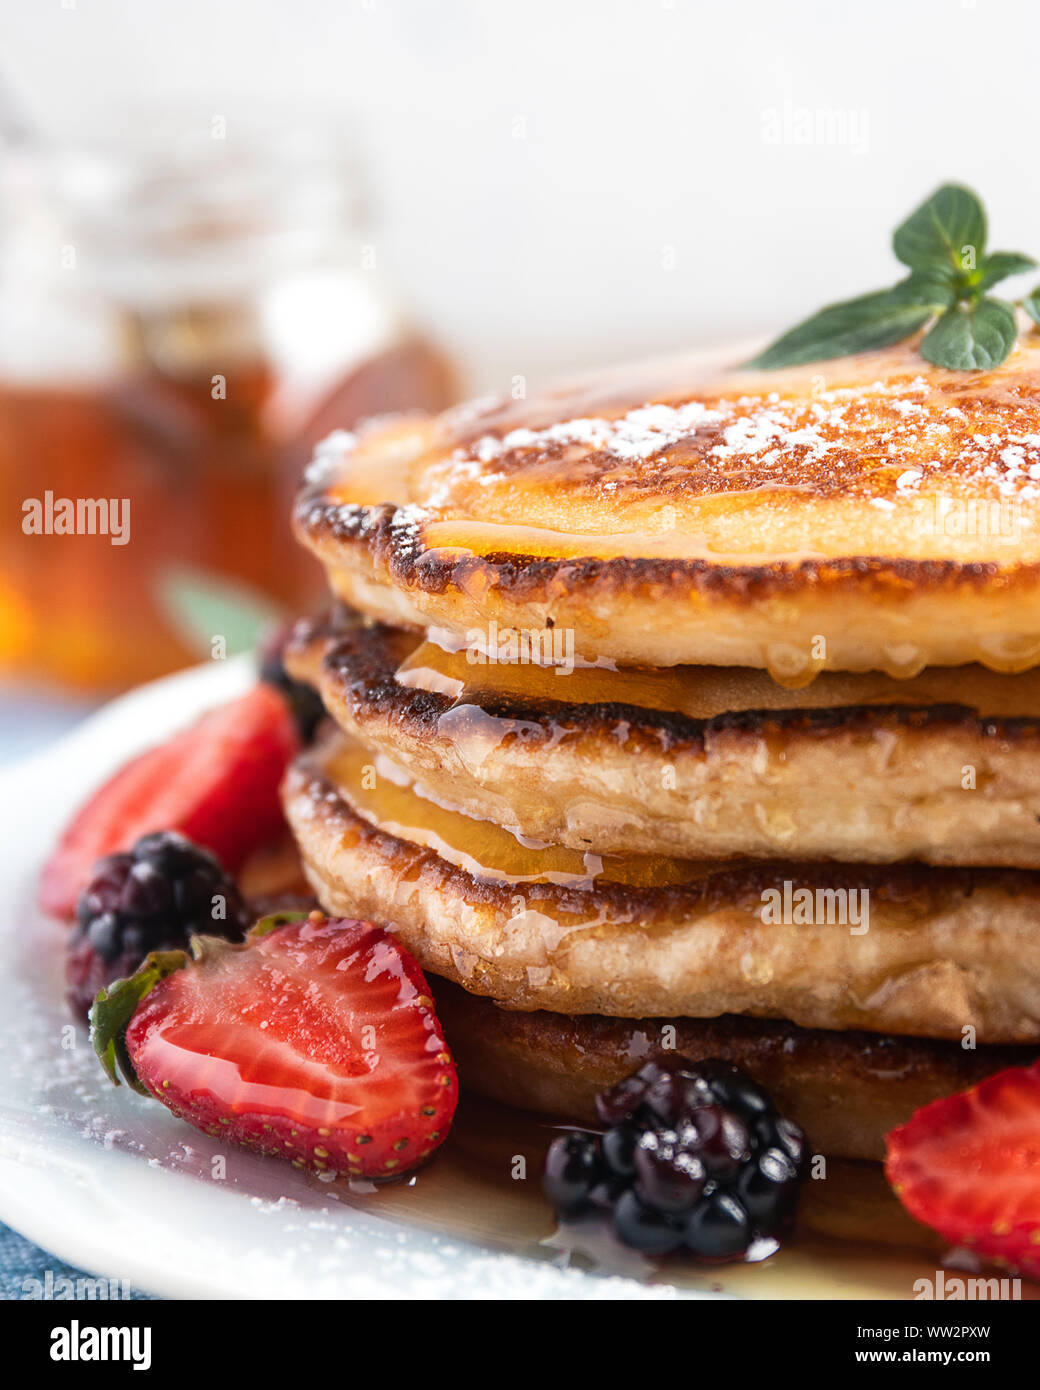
[562,182]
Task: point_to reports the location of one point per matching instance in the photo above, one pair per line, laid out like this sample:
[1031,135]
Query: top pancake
[870,513]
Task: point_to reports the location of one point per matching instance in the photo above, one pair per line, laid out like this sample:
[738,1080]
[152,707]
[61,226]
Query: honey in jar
[183,314]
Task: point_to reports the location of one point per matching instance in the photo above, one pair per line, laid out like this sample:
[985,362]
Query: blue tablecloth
[24,1270]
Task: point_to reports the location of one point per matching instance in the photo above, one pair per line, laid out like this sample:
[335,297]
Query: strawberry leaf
[115,1006]
[272,922]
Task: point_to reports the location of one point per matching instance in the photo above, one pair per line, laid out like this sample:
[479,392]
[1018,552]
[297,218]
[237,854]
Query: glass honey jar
[183,314]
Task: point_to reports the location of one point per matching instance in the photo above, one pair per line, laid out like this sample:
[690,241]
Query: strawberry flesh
[215,782]
[318,1043]
[969,1167]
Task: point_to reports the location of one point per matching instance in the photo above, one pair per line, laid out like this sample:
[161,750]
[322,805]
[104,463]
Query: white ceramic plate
[110,1181]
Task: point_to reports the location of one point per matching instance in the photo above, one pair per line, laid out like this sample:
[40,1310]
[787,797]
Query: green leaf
[944,243]
[203,606]
[998,266]
[855,325]
[114,1007]
[272,922]
[936,287]
[939,231]
[972,337]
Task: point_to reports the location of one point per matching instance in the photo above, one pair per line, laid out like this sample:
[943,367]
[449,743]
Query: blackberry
[304,703]
[669,1172]
[693,1156]
[619,1150]
[768,1186]
[153,898]
[623,1100]
[718,1228]
[722,1139]
[644,1228]
[573,1170]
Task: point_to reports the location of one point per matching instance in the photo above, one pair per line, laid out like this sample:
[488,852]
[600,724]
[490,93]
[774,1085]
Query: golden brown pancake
[907,949]
[846,1090]
[698,762]
[871,513]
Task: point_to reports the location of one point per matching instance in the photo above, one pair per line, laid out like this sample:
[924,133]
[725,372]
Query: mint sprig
[943,243]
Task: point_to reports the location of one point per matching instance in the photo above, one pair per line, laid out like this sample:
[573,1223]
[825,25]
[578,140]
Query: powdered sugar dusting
[883,439]
[328,456]
[770,430]
[638,435]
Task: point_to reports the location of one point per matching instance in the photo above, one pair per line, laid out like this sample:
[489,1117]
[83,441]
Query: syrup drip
[704,692]
[383,795]
[466,536]
[852,1237]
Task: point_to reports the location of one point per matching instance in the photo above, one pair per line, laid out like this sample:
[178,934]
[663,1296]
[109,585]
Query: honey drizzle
[383,794]
[852,1238]
[704,692]
[467,536]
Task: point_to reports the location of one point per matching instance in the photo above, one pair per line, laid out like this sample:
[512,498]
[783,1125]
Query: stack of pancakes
[698,712]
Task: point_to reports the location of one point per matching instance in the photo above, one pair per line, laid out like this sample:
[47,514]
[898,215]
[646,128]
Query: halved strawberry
[216,782]
[969,1166]
[316,1041]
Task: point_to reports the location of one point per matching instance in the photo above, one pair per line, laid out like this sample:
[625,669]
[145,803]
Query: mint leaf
[855,325]
[200,606]
[941,231]
[936,287]
[998,266]
[944,244]
[973,337]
